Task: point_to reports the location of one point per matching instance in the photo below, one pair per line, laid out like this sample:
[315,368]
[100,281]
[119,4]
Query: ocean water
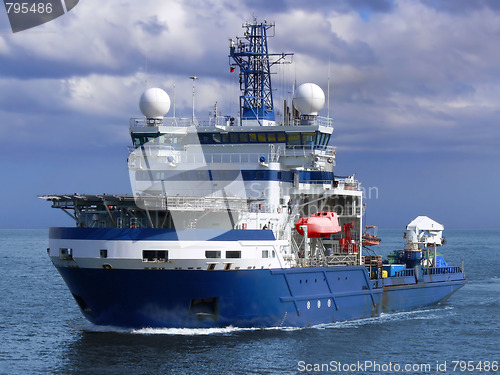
[42,331]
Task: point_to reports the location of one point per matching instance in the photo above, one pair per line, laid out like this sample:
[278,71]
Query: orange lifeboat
[319,225]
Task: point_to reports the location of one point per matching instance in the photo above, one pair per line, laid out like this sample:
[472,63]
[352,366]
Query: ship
[239,220]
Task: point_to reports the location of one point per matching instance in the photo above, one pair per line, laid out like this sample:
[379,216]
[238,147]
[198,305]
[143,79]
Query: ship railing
[152,149]
[334,248]
[408,272]
[341,259]
[316,182]
[266,208]
[219,121]
[315,186]
[306,150]
[194,203]
[234,157]
[333,260]
[164,151]
[206,203]
[429,271]
[441,270]
[141,122]
[314,120]
[312,262]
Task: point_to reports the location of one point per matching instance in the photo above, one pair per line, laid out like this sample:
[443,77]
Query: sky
[414,93]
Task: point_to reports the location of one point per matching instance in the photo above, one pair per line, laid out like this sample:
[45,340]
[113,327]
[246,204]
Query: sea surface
[42,331]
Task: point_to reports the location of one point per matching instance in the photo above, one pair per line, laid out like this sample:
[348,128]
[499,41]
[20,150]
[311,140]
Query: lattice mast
[250,54]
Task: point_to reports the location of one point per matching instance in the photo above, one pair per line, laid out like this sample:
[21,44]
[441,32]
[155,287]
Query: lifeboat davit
[319,225]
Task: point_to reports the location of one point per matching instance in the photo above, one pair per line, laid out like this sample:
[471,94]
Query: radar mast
[251,55]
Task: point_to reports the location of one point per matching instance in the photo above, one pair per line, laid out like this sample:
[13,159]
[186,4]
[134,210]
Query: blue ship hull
[297,297]
[243,298]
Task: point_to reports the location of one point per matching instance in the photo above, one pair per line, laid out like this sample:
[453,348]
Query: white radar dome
[309,99]
[154,103]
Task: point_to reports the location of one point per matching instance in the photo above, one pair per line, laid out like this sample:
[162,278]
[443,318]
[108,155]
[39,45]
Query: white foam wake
[422,314]
[174,331]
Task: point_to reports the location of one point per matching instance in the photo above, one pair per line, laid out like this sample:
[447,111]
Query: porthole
[308,305]
[319,304]
[329,303]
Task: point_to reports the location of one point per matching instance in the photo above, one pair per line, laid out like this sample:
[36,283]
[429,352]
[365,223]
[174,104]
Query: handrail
[441,270]
[185,156]
[428,271]
[141,122]
[315,120]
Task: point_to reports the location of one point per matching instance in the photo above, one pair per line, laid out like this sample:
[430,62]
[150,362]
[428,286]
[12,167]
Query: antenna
[328,90]
[146,79]
[174,101]
[194,78]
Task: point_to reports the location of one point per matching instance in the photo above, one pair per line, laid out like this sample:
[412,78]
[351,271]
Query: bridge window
[262,137]
[205,138]
[233,254]
[308,138]
[138,141]
[233,137]
[244,137]
[294,139]
[320,138]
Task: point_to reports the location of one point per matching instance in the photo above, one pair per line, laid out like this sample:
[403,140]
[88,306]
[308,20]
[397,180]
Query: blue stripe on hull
[243,298]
